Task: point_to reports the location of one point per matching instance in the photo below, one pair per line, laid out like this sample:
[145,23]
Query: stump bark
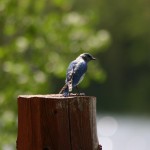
[53,122]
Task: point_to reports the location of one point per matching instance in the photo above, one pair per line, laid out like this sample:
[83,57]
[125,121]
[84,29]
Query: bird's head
[87,57]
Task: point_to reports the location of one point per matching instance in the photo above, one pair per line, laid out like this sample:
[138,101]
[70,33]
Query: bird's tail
[64,90]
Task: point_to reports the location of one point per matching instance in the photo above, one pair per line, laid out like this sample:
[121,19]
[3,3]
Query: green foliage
[128,63]
[38,40]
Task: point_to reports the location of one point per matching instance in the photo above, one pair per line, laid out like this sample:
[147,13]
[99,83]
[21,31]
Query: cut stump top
[56,96]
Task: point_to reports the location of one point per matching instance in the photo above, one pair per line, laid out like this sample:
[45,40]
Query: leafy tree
[127,60]
[38,40]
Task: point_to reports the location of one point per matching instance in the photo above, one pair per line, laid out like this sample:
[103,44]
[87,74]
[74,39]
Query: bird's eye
[88,56]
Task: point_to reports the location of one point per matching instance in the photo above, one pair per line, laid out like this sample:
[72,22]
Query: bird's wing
[79,70]
[70,73]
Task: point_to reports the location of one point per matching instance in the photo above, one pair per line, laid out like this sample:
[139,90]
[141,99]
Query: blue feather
[75,72]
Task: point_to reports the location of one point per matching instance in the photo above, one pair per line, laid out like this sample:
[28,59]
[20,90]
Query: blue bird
[75,72]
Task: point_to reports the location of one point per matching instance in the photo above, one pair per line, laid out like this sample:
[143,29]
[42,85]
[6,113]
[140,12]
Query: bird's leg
[78,92]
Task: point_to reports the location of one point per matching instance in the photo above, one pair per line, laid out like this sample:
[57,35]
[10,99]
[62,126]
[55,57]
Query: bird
[75,73]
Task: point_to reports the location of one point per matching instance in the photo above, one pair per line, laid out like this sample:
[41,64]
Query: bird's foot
[71,94]
[66,94]
[80,94]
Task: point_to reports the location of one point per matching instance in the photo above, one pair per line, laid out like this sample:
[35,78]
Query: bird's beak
[93,58]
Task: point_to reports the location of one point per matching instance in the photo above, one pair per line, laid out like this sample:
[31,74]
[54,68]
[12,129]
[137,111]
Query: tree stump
[53,122]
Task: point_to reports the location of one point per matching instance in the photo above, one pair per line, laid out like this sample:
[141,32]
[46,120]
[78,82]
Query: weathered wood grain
[54,122]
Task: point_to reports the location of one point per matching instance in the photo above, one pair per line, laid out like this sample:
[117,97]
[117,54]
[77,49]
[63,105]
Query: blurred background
[38,39]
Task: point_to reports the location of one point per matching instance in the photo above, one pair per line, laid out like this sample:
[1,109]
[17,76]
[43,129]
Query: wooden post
[53,122]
